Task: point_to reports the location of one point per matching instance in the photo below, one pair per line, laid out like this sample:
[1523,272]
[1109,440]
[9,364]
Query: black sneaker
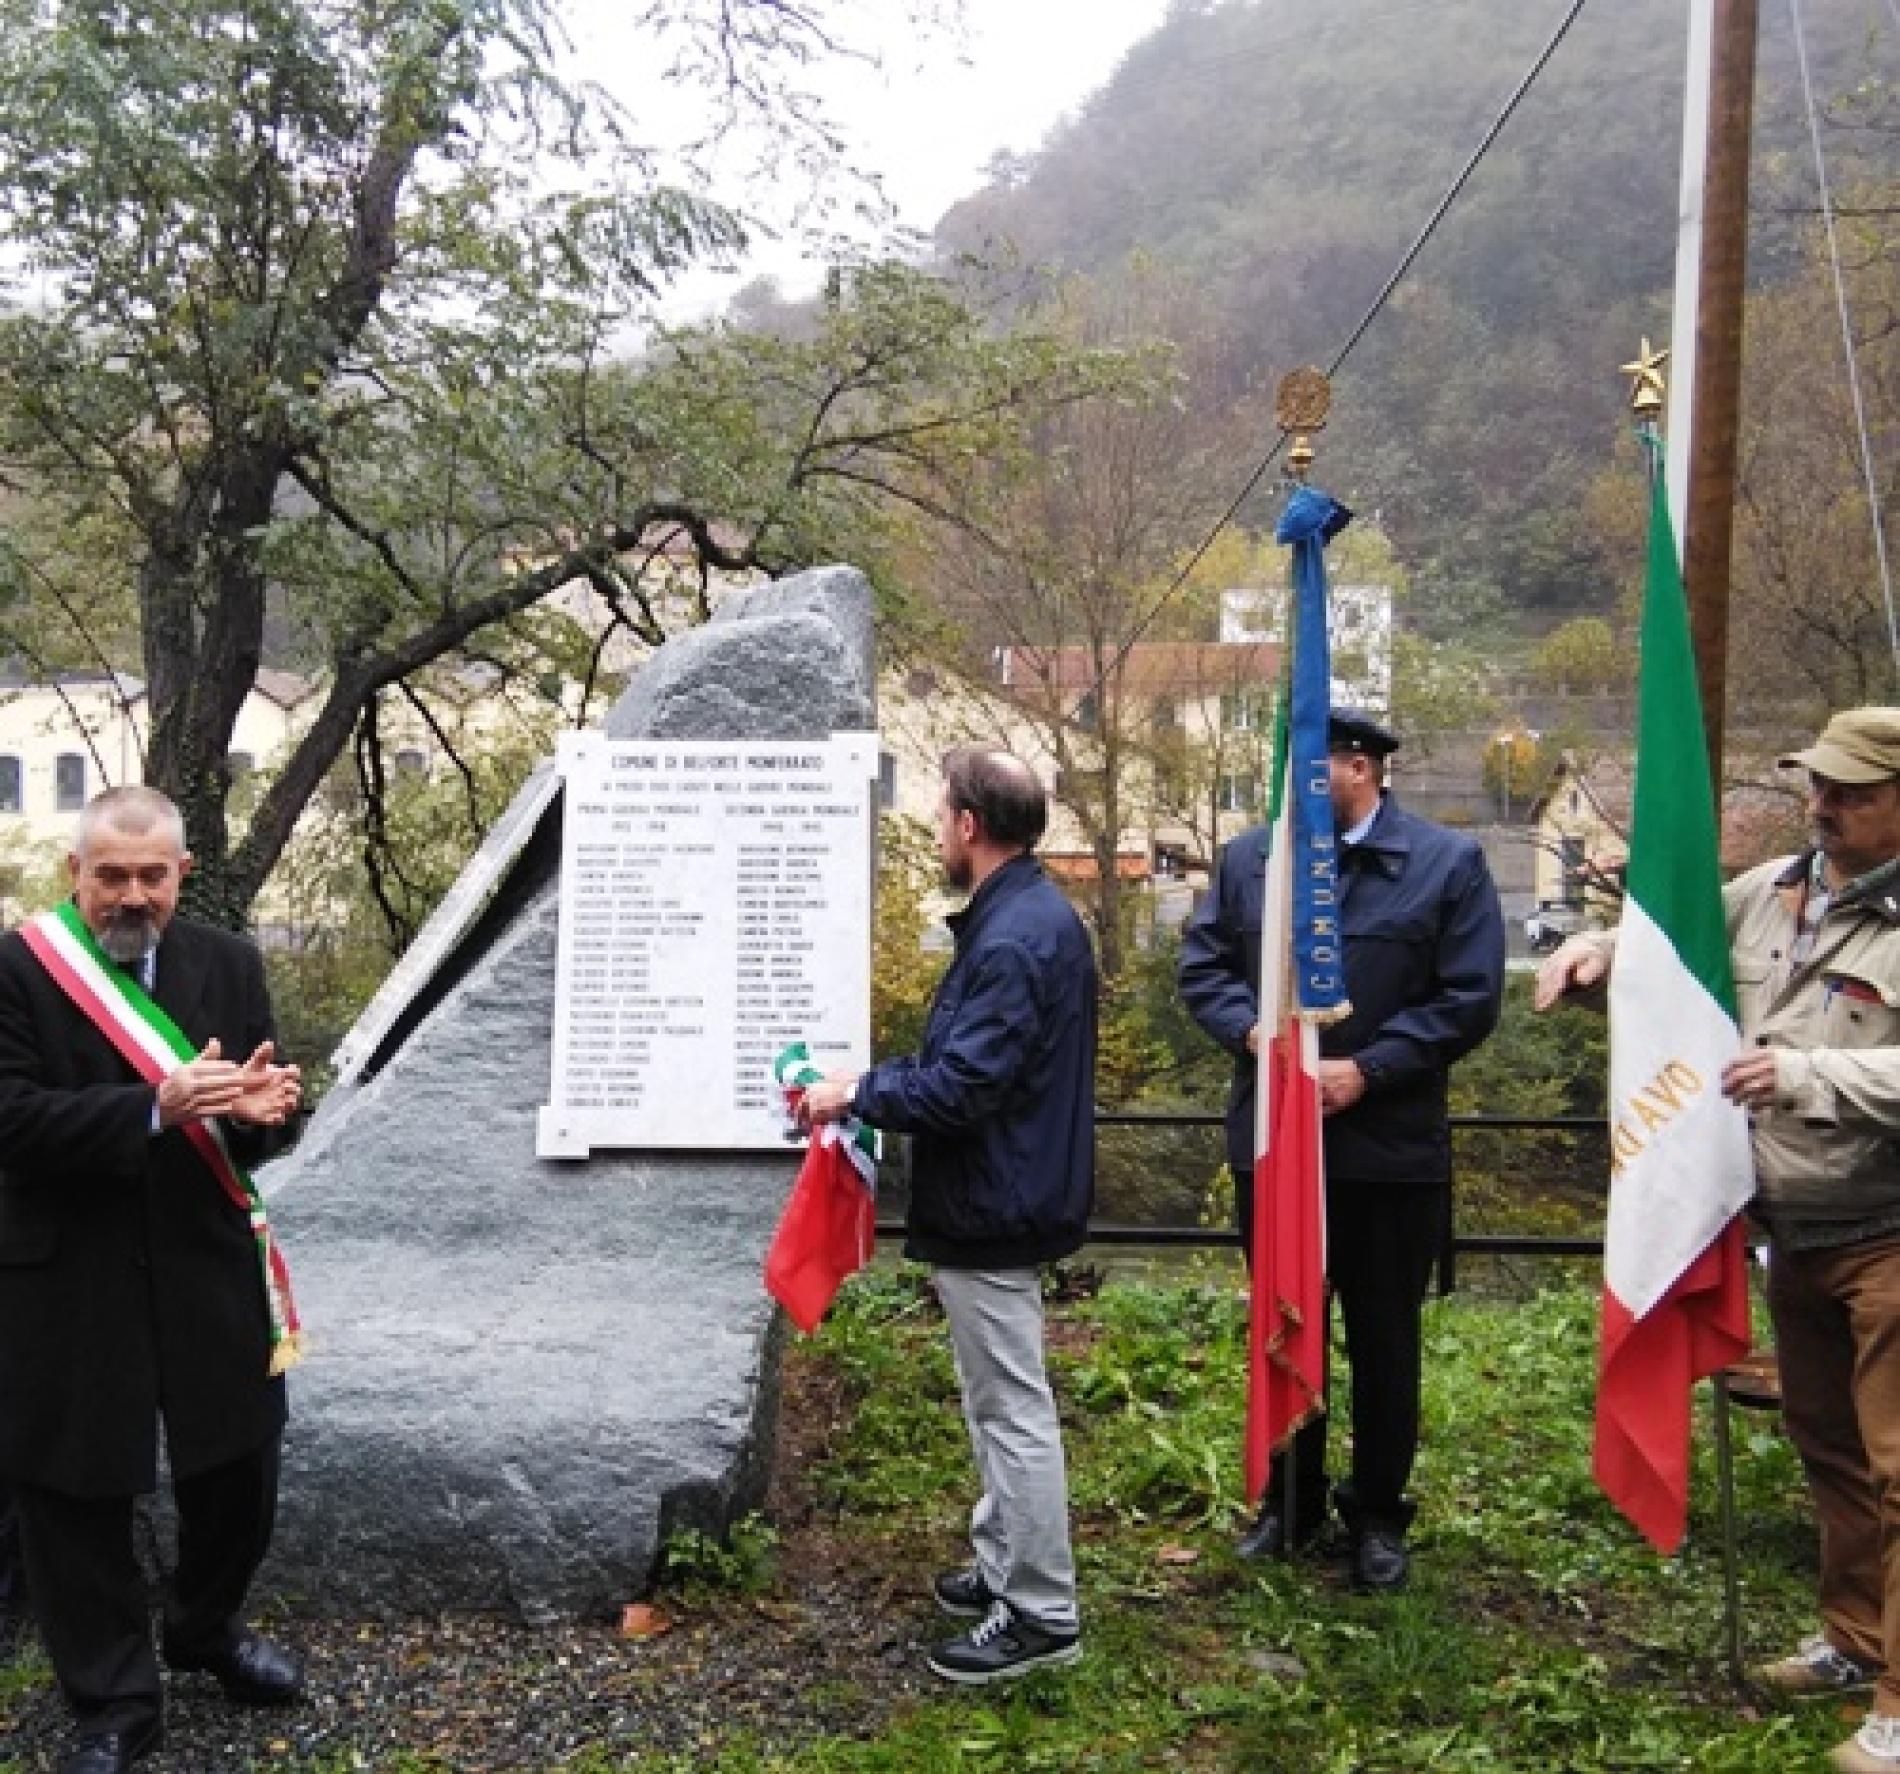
[1002,1646]
[964,1593]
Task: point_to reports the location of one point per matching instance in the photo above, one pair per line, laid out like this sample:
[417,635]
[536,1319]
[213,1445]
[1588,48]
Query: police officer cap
[1349,731]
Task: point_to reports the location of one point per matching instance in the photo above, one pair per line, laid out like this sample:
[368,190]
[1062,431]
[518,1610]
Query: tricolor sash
[830,1220]
[154,1046]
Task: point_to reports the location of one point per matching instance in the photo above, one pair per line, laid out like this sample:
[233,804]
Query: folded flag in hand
[830,1221]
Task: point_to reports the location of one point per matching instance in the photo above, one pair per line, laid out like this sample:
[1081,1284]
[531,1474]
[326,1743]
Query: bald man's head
[1009,804]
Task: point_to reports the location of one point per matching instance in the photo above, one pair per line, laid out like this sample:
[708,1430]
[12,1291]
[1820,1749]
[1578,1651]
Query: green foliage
[1153,1053]
[1080,535]
[33,875]
[903,1421]
[1583,655]
[1810,622]
[1129,1052]
[327,298]
[1518,766]
[1439,687]
[741,1562]
[903,973]
[352,890]
[1164,1437]
[1533,1065]
[1540,1630]
[1472,413]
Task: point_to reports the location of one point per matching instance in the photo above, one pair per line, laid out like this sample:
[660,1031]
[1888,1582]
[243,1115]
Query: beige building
[1189,727]
[62,742]
[1581,825]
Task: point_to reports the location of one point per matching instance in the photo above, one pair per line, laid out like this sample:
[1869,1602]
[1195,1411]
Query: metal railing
[1457,1244]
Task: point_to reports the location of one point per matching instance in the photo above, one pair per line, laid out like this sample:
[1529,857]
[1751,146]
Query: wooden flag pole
[1711,271]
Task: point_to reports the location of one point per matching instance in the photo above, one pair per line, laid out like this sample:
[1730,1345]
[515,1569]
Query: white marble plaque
[715,905]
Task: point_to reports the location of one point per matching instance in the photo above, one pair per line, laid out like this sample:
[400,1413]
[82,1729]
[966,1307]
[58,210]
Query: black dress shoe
[1267,1537]
[1379,1560]
[250,1669]
[111,1752]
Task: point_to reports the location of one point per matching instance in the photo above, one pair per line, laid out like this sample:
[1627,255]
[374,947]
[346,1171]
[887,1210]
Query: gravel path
[833,1647]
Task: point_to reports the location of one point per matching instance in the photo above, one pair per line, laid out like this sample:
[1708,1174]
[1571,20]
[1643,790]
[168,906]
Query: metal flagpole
[1704,424]
[1302,404]
[1275,994]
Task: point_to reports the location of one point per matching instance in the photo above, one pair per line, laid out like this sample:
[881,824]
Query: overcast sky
[926,116]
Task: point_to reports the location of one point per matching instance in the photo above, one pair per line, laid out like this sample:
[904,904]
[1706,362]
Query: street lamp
[1507,744]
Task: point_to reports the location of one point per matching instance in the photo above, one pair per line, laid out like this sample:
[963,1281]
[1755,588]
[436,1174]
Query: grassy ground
[1539,1633]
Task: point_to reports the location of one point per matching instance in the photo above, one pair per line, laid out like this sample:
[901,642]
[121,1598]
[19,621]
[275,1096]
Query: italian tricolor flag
[829,1226]
[1286,1341]
[1675,1298]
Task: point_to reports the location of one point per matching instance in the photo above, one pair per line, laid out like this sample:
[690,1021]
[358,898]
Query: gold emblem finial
[1647,390]
[1301,405]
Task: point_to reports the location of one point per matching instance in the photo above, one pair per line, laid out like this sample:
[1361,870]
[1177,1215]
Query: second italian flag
[1675,1297]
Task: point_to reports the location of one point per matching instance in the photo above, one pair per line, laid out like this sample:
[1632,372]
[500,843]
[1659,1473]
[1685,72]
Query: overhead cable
[1847,335]
[1358,332]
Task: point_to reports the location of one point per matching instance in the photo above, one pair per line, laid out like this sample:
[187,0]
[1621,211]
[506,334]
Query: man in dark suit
[1424,953]
[131,1288]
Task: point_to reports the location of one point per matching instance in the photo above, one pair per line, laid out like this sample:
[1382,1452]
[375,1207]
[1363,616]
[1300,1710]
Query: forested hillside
[1283,157]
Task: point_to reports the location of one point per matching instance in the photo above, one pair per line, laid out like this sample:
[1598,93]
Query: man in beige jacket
[1815,941]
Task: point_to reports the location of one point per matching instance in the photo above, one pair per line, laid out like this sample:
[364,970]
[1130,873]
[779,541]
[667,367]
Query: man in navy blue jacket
[1000,1106]
[1424,941]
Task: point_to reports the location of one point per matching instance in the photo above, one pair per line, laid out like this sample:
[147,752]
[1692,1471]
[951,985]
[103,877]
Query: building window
[242,765]
[1246,711]
[1170,862]
[1237,791]
[410,762]
[69,782]
[12,786]
[1571,854]
[886,781]
[1167,718]
[1088,712]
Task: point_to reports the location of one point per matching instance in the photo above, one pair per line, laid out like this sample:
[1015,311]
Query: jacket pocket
[1753,974]
[1862,1008]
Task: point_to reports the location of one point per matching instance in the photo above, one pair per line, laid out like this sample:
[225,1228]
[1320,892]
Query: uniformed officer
[1424,956]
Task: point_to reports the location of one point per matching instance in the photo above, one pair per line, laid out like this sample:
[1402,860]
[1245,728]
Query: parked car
[1547,927]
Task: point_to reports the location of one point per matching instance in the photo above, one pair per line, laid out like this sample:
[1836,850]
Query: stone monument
[526,1374]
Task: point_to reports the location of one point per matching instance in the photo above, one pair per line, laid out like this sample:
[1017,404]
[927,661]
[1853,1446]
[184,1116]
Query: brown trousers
[1837,1331]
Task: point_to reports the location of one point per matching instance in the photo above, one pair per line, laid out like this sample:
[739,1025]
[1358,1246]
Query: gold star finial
[1648,390]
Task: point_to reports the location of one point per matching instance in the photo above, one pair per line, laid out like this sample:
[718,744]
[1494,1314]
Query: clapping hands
[258,1092]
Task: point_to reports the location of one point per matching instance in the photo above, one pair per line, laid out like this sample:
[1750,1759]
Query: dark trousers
[90,1598]
[12,1575]
[1381,1242]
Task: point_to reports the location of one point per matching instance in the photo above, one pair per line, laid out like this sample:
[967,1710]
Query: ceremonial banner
[1675,1299]
[1302,984]
[830,1220]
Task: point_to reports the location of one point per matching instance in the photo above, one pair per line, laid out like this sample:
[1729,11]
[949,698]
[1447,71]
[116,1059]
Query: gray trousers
[1020,1529]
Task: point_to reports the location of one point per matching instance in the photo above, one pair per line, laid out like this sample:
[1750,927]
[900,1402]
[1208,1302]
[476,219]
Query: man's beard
[958,872]
[129,937]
